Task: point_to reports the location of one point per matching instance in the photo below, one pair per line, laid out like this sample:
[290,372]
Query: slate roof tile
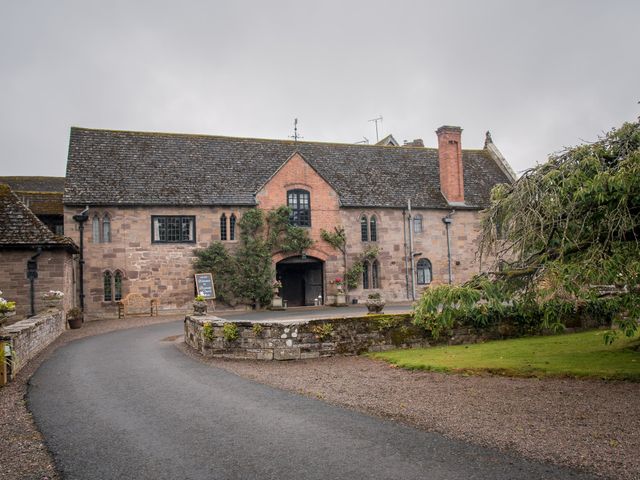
[107,167]
[20,227]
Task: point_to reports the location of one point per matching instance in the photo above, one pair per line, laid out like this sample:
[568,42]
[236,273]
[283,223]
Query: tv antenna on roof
[376,120]
[295,135]
[365,141]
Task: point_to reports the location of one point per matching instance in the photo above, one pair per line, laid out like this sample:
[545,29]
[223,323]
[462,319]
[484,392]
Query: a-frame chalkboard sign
[204,285]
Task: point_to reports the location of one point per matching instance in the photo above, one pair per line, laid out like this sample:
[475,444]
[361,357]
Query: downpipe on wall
[32,274]
[447,223]
[81,218]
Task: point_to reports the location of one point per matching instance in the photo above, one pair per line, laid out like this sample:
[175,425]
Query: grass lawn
[572,355]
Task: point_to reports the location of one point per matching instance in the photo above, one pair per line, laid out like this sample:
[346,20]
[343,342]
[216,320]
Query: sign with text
[204,285]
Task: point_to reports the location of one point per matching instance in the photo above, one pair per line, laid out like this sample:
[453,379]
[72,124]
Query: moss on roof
[20,227]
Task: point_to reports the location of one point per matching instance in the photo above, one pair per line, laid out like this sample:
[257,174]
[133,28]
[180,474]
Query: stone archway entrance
[302,280]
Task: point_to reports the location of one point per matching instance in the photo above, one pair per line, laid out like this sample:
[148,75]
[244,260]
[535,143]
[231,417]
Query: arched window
[106,279]
[373,229]
[417,224]
[300,204]
[364,228]
[106,228]
[365,275]
[223,227]
[375,274]
[232,227]
[117,286]
[423,272]
[95,230]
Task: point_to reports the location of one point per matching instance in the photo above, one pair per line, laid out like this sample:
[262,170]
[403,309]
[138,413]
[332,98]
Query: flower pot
[375,305]
[199,308]
[341,300]
[74,323]
[53,303]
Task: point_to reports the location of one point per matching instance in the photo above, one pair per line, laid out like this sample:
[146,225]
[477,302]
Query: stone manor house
[152,198]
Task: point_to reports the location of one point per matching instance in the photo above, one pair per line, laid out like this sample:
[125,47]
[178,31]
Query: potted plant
[75,318]
[199,305]
[375,303]
[53,298]
[7,309]
[341,297]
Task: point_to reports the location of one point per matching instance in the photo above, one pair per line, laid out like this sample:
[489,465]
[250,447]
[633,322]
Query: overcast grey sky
[539,75]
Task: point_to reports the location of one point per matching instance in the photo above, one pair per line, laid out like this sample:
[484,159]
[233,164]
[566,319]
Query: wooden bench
[136,304]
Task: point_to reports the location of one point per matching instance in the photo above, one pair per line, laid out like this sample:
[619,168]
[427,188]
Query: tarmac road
[128,405]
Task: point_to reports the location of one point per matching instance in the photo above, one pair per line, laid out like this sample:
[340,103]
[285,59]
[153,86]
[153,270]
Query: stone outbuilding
[153,198]
[34,260]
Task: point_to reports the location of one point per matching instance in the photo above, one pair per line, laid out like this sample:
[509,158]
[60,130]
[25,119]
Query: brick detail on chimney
[450,162]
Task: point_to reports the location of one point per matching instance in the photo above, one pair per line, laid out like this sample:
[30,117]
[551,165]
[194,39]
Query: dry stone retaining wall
[30,336]
[300,339]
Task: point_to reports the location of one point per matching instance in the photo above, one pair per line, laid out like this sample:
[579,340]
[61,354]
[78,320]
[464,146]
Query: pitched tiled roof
[134,168]
[34,184]
[43,195]
[20,227]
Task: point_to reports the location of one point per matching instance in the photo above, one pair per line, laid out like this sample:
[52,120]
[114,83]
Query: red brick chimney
[450,160]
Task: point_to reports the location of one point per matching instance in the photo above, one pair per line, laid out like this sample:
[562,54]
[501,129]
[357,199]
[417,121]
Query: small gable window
[364,228]
[417,224]
[223,227]
[106,280]
[232,227]
[373,229]
[423,272]
[299,203]
[173,229]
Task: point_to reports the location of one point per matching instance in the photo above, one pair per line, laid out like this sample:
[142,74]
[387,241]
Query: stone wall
[30,336]
[293,340]
[165,271]
[431,243]
[55,272]
[154,270]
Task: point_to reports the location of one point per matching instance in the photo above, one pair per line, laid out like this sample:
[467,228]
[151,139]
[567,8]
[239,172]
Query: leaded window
[424,272]
[95,230]
[173,229]
[223,227]
[117,286]
[106,279]
[373,229]
[232,227]
[375,274]
[417,224]
[106,229]
[299,203]
[365,275]
[364,228]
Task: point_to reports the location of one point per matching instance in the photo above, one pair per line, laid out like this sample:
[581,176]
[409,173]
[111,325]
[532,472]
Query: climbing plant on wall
[245,275]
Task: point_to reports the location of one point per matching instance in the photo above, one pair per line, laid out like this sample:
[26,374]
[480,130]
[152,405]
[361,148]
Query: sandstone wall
[154,270]
[55,272]
[431,243]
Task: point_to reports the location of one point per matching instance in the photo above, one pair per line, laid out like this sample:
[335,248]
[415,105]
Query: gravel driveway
[587,424]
